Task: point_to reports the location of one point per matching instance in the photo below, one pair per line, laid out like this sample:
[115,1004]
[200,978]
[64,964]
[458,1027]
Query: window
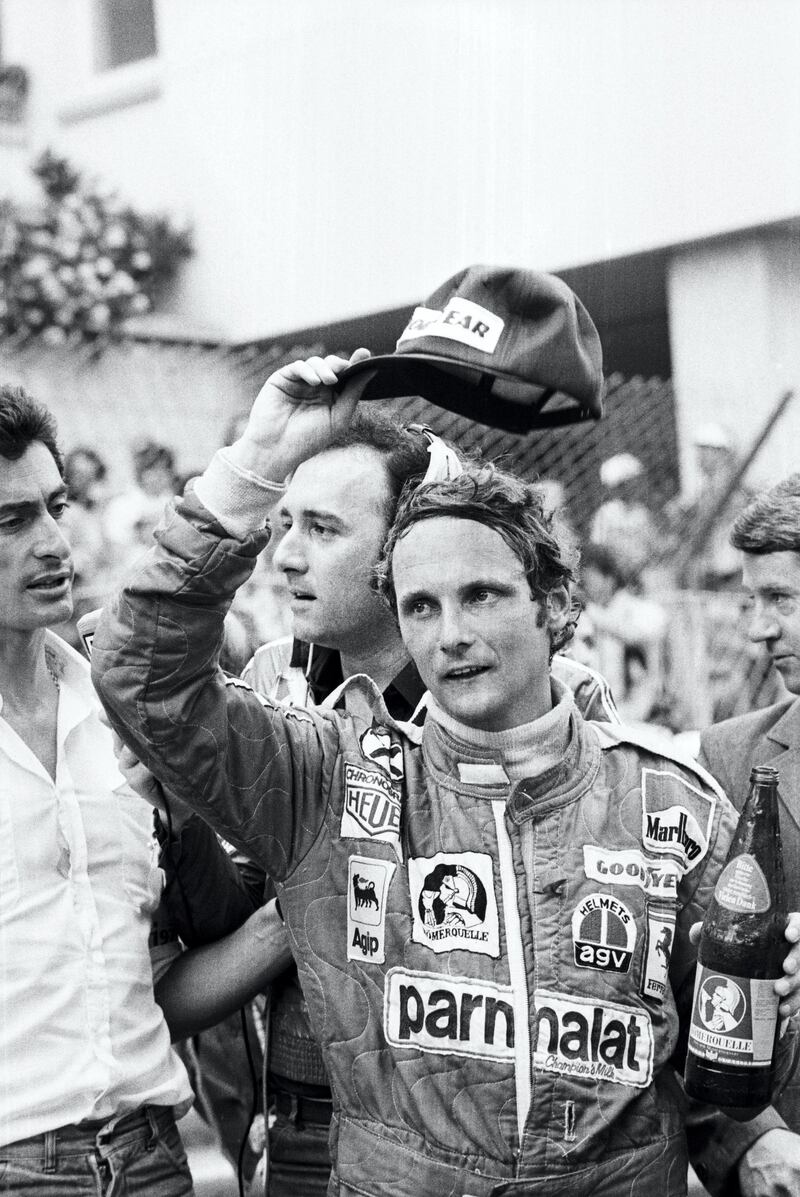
[124,31]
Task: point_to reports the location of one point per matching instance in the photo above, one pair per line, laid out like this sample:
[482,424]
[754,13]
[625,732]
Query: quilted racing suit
[493,971]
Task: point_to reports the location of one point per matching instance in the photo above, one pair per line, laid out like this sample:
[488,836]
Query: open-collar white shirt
[81,1036]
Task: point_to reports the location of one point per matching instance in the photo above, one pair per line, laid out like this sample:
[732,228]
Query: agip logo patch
[367,890]
[603,934]
[371,806]
[453,903]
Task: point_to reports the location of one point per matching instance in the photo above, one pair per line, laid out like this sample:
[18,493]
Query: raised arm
[257,775]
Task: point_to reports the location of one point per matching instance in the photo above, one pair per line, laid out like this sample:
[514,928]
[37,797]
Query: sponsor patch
[367,888]
[460,320]
[453,903]
[371,806]
[657,950]
[377,746]
[448,1015]
[602,1041]
[674,829]
[631,867]
[603,934]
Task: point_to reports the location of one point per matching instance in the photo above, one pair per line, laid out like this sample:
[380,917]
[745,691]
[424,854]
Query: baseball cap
[515,349]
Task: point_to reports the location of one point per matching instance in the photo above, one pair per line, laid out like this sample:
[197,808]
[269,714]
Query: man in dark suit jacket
[767,533]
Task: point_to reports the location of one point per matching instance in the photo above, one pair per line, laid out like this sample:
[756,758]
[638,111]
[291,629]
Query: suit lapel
[784,738]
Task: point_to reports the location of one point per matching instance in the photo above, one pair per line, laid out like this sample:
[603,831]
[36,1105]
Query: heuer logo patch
[448,1015]
[603,934]
[460,320]
[371,805]
[603,1041]
[657,950]
[367,889]
[631,867]
[377,746]
[453,903]
[678,829]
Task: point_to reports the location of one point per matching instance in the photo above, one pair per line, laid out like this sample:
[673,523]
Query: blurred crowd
[111,527]
[642,565]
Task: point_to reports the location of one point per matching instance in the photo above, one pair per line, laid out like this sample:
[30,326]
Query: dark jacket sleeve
[207,894]
[260,777]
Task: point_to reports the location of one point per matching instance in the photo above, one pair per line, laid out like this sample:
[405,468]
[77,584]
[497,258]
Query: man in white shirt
[89,1084]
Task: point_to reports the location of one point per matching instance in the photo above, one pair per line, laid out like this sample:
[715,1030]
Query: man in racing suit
[211,898]
[474,909]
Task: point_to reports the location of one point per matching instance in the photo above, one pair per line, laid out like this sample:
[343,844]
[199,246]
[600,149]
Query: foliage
[80,263]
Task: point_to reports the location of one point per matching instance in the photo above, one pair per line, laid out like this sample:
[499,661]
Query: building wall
[341,158]
[734,317]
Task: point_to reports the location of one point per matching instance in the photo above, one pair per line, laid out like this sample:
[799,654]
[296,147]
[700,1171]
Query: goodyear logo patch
[371,805]
[367,889]
[453,903]
[631,867]
[460,320]
[601,1041]
[603,934]
[448,1015]
[680,830]
[657,950]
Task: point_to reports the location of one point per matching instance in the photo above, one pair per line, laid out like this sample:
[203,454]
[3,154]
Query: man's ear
[558,607]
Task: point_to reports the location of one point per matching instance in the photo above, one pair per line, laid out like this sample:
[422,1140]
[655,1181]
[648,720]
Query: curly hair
[512,508]
[23,421]
[770,523]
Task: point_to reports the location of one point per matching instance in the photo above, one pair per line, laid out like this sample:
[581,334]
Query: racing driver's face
[479,639]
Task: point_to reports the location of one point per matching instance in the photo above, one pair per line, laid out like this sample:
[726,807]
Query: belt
[302,1109]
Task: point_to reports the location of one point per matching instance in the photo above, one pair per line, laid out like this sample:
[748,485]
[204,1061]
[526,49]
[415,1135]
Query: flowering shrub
[82,262]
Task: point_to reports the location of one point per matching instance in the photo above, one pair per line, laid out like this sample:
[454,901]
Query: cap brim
[466,390]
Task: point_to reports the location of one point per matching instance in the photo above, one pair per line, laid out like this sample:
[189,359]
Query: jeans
[299,1162]
[137,1155]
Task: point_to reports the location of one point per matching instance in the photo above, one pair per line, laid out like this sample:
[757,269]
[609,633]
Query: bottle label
[733,1019]
[742,886]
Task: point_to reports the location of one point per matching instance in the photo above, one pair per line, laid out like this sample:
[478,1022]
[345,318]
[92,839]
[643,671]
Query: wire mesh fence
[189,397]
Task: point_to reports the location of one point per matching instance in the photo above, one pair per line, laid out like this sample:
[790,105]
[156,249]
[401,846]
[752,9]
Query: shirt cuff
[236,497]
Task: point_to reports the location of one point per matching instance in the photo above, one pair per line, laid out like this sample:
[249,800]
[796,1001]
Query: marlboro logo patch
[371,805]
[461,320]
[672,829]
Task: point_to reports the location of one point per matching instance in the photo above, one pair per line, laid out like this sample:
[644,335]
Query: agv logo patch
[603,934]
